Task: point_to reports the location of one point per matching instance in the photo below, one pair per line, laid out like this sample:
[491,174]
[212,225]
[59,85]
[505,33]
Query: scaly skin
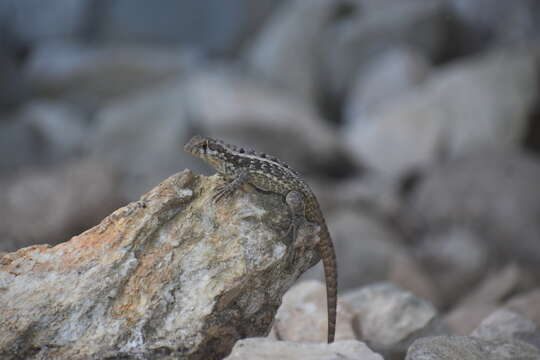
[240,166]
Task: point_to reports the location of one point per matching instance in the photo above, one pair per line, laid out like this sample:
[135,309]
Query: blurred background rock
[416,121]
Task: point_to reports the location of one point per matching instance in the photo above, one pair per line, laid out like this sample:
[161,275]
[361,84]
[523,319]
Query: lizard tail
[328,256]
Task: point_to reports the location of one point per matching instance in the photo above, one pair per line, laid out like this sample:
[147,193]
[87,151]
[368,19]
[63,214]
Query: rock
[494,193]
[302,316]
[365,249]
[504,324]
[285,52]
[19,145]
[466,317]
[389,319]
[501,285]
[456,259]
[486,23]
[61,128]
[471,105]
[49,206]
[244,112]
[355,41]
[262,348]
[35,21]
[226,25]
[406,273]
[13,56]
[463,347]
[527,304]
[168,276]
[93,76]
[387,77]
[368,193]
[41,133]
[142,136]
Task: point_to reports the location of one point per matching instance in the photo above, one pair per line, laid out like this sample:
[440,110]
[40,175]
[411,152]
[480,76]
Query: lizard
[239,166]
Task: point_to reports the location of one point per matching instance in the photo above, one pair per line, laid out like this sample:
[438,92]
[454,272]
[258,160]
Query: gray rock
[504,324]
[456,259]
[61,128]
[168,276]
[388,76]
[93,76]
[285,51]
[463,319]
[368,193]
[480,103]
[210,27]
[365,248]
[527,304]
[49,206]
[302,316]
[262,348]
[389,319]
[142,136]
[500,285]
[368,251]
[41,133]
[357,40]
[494,193]
[245,112]
[19,145]
[484,23]
[463,347]
[35,21]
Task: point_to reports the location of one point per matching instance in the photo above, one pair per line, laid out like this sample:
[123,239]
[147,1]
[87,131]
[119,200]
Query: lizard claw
[222,192]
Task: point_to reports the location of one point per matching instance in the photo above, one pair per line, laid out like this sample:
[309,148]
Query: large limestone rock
[169,276]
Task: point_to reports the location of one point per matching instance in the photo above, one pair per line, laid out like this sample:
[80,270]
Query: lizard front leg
[227,189]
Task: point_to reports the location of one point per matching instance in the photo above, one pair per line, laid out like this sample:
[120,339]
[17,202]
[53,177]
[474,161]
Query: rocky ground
[415,121]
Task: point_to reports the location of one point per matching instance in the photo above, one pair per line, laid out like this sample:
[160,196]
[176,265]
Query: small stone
[470,348]
[505,323]
[389,319]
[302,316]
[466,317]
[527,304]
[264,349]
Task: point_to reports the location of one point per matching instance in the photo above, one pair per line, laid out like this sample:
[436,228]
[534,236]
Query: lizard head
[214,152]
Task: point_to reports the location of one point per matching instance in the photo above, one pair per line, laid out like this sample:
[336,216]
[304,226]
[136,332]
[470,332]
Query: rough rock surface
[285,51]
[389,319]
[265,349]
[50,206]
[504,324]
[527,304]
[456,259]
[387,77]
[463,347]
[355,41]
[439,119]
[495,193]
[170,275]
[244,112]
[93,76]
[302,315]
